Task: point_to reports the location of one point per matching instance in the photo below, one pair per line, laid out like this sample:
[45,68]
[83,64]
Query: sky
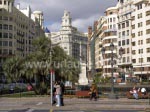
[83,12]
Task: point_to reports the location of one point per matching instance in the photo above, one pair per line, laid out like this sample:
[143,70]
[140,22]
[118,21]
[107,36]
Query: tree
[37,66]
[13,69]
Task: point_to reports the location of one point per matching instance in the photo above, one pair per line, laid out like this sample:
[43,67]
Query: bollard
[149,98]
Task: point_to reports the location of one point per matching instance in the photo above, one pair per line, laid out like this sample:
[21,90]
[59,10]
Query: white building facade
[141,38]
[17,30]
[125,8]
[70,39]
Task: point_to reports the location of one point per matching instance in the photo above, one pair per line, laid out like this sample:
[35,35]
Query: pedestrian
[143,91]
[93,92]
[58,93]
[134,91]
[62,93]
[54,91]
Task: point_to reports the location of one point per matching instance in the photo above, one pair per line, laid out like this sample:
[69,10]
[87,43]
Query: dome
[46,30]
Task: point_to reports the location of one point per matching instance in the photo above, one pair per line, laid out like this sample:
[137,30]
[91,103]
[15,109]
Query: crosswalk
[33,110]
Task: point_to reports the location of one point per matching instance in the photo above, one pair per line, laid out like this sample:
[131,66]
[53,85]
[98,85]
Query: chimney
[95,25]
[89,31]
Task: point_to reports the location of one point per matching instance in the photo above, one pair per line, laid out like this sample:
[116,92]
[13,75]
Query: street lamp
[112,95]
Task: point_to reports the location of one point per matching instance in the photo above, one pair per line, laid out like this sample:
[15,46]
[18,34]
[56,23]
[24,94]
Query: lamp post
[51,76]
[112,95]
[120,53]
[52,73]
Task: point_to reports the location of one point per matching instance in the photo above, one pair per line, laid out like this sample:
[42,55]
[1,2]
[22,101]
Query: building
[109,35]
[18,27]
[133,36]
[141,39]
[125,8]
[104,33]
[70,39]
[73,42]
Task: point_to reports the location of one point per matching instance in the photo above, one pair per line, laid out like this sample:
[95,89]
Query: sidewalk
[75,104]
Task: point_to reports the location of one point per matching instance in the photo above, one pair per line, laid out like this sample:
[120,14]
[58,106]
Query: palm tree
[12,68]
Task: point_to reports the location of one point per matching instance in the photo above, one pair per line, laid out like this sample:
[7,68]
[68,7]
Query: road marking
[51,110]
[30,110]
[3,111]
[40,103]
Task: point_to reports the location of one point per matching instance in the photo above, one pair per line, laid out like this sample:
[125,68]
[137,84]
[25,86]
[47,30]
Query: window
[133,35]
[148,40]
[10,35]
[133,18]
[148,50]
[119,26]
[133,26]
[114,26]
[5,18]
[139,15]
[123,33]
[147,13]
[119,43]
[124,59]
[119,34]
[140,33]
[148,31]
[128,50]
[5,35]
[5,2]
[140,51]
[5,43]
[127,32]
[10,51]
[127,41]
[123,25]
[110,19]
[114,19]
[0,43]
[140,60]
[110,27]
[5,51]
[10,27]
[133,52]
[0,26]
[140,42]
[0,34]
[5,26]
[147,22]
[123,42]
[128,59]
[140,24]
[133,60]
[127,24]
[148,59]
[10,43]
[133,43]
[139,6]
[0,51]
[111,13]
[0,1]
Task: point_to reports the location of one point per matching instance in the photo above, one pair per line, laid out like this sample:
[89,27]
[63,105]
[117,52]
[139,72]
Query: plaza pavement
[74,104]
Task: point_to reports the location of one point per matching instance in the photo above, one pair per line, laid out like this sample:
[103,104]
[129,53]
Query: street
[32,110]
[42,104]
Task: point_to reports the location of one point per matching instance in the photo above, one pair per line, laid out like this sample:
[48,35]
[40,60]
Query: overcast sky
[83,12]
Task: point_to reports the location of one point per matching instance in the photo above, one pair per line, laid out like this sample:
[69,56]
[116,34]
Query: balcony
[139,1]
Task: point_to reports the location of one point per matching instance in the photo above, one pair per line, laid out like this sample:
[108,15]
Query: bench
[140,95]
[82,94]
